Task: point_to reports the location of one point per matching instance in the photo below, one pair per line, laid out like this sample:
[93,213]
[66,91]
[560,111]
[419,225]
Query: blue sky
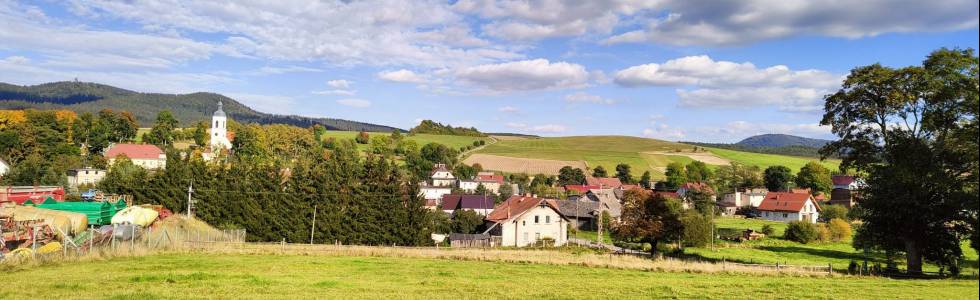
[714,71]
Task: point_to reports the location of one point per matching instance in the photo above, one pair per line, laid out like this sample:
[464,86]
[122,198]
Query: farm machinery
[23,234]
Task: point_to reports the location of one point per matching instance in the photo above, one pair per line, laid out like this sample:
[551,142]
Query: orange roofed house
[786,207]
[146,156]
[521,221]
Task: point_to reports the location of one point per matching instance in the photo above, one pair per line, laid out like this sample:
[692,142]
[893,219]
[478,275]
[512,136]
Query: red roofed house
[489,180]
[480,204]
[146,156]
[581,189]
[786,207]
[604,182]
[521,221]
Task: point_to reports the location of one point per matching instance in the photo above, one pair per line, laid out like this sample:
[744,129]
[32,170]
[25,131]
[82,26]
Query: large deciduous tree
[649,218]
[624,175]
[676,176]
[815,177]
[914,131]
[778,178]
[568,175]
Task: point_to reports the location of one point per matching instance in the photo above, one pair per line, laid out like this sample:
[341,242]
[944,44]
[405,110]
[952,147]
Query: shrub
[831,212]
[697,229]
[802,232]
[767,230]
[839,230]
[823,234]
[362,138]
[852,267]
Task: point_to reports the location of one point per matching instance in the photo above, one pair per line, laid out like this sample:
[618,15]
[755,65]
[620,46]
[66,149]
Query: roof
[842,179]
[603,182]
[134,151]
[454,202]
[582,189]
[696,186]
[627,187]
[490,178]
[579,208]
[667,194]
[517,205]
[220,112]
[785,202]
[800,191]
[607,197]
[440,168]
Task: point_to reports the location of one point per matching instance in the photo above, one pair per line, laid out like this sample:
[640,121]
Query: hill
[642,154]
[781,140]
[188,108]
[431,127]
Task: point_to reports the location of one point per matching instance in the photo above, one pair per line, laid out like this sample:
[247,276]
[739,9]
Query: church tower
[219,129]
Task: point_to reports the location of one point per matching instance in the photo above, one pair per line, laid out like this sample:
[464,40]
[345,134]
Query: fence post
[830,269]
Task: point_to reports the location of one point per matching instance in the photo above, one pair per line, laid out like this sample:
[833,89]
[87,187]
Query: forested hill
[431,127]
[781,140]
[188,108]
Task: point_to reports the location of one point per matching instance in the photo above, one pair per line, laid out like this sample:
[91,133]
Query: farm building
[582,214]
[480,204]
[786,207]
[750,197]
[77,177]
[607,197]
[523,221]
[146,156]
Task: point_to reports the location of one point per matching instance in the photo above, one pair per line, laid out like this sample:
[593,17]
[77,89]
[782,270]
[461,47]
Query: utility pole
[190,202]
[313,228]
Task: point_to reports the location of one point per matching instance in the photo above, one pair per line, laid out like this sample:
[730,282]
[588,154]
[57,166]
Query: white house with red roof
[786,207]
[489,180]
[146,156]
[525,221]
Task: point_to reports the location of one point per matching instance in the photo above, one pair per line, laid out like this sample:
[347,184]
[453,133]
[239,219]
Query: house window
[547,219]
[537,236]
[785,215]
[536,220]
[525,237]
[524,223]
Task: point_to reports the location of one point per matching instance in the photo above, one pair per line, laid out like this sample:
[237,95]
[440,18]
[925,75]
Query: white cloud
[354,102]
[275,104]
[534,20]
[516,125]
[335,92]
[730,84]
[340,83]
[711,23]
[509,109]
[425,33]
[583,97]
[524,75]
[284,69]
[403,75]
[664,132]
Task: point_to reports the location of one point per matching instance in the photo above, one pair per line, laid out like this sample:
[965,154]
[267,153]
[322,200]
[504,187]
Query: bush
[697,229]
[831,212]
[767,230]
[839,229]
[802,232]
[823,234]
[852,267]
[362,138]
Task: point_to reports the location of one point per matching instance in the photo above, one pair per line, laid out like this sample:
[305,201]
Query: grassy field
[452,141]
[776,250]
[183,276]
[765,160]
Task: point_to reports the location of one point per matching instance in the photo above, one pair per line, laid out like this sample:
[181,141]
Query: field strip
[705,157]
[549,257]
[521,165]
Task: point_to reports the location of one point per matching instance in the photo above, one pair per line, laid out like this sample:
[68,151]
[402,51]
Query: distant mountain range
[781,140]
[188,108]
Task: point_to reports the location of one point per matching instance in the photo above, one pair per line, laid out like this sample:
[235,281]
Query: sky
[708,71]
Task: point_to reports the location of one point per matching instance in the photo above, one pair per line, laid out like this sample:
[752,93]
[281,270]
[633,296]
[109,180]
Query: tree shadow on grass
[834,254]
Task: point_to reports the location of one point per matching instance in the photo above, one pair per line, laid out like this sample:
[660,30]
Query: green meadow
[452,141]
[240,276]
[765,160]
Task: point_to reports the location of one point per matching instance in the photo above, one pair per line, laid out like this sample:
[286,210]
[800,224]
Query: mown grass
[774,249]
[234,276]
[765,160]
[451,141]
[592,236]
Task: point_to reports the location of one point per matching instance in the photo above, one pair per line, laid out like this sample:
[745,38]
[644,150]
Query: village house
[582,213]
[441,182]
[786,207]
[607,197]
[683,190]
[489,180]
[523,220]
[580,189]
[480,204]
[84,176]
[146,156]
[603,182]
[846,190]
[750,197]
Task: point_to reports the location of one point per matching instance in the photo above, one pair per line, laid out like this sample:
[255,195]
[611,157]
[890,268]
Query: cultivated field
[641,154]
[452,141]
[521,165]
[265,276]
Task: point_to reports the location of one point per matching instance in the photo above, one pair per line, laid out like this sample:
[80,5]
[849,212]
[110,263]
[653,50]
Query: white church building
[219,136]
